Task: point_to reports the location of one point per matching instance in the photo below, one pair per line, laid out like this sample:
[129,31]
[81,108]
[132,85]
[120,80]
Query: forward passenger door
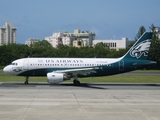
[25,64]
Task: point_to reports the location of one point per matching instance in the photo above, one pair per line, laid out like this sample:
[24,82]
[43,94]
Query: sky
[109,19]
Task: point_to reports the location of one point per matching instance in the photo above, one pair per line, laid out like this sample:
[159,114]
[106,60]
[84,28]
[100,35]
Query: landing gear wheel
[76,82]
[26,82]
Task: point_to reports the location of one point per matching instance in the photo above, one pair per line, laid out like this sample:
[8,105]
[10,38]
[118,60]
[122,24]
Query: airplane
[60,69]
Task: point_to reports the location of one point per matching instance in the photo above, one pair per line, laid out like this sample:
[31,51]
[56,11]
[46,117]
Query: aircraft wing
[78,71]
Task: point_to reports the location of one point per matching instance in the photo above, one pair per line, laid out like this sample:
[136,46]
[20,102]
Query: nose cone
[6,69]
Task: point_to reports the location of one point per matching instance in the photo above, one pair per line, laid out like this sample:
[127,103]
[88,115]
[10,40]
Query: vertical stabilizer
[140,49]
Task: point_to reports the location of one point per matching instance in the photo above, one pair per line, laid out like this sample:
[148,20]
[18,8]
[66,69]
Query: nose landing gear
[26,82]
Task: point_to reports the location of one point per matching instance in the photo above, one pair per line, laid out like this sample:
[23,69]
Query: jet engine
[54,78]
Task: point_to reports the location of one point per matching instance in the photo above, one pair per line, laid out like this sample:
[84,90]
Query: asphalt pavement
[93,101]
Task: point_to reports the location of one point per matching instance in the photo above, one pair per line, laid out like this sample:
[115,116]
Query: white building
[59,38]
[31,41]
[86,36]
[114,44]
[66,38]
[7,34]
[79,43]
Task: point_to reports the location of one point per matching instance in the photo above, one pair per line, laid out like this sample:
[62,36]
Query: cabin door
[121,65]
[25,64]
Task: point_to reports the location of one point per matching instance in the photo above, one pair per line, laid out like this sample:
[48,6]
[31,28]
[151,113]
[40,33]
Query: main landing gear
[26,82]
[76,82]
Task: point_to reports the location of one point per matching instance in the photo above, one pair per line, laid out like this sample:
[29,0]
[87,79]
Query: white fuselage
[25,64]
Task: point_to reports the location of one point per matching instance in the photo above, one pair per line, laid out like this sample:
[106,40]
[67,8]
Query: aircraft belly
[39,72]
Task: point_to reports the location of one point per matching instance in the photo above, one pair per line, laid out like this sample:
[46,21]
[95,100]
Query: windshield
[13,64]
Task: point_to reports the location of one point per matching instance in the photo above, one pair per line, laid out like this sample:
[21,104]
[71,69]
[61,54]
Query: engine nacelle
[54,78]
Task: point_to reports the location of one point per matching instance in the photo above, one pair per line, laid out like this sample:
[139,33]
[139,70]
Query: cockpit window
[13,64]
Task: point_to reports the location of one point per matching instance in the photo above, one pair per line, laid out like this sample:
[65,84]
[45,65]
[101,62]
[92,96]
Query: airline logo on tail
[141,49]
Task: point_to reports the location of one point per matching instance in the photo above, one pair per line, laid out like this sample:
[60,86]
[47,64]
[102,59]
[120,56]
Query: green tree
[11,52]
[154,52]
[142,29]
[101,50]
[42,44]
[101,45]
[41,49]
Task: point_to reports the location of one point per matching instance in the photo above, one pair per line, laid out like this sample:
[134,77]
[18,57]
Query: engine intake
[54,78]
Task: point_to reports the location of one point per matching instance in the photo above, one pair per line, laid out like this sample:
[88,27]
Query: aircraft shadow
[85,85]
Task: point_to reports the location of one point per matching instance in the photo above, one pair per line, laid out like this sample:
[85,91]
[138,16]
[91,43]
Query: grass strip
[115,78]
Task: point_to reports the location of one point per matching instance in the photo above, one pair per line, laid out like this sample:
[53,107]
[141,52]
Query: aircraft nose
[6,69]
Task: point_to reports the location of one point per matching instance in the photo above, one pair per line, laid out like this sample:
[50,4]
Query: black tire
[26,83]
[76,82]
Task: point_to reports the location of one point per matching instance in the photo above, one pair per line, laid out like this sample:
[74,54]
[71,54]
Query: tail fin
[140,49]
